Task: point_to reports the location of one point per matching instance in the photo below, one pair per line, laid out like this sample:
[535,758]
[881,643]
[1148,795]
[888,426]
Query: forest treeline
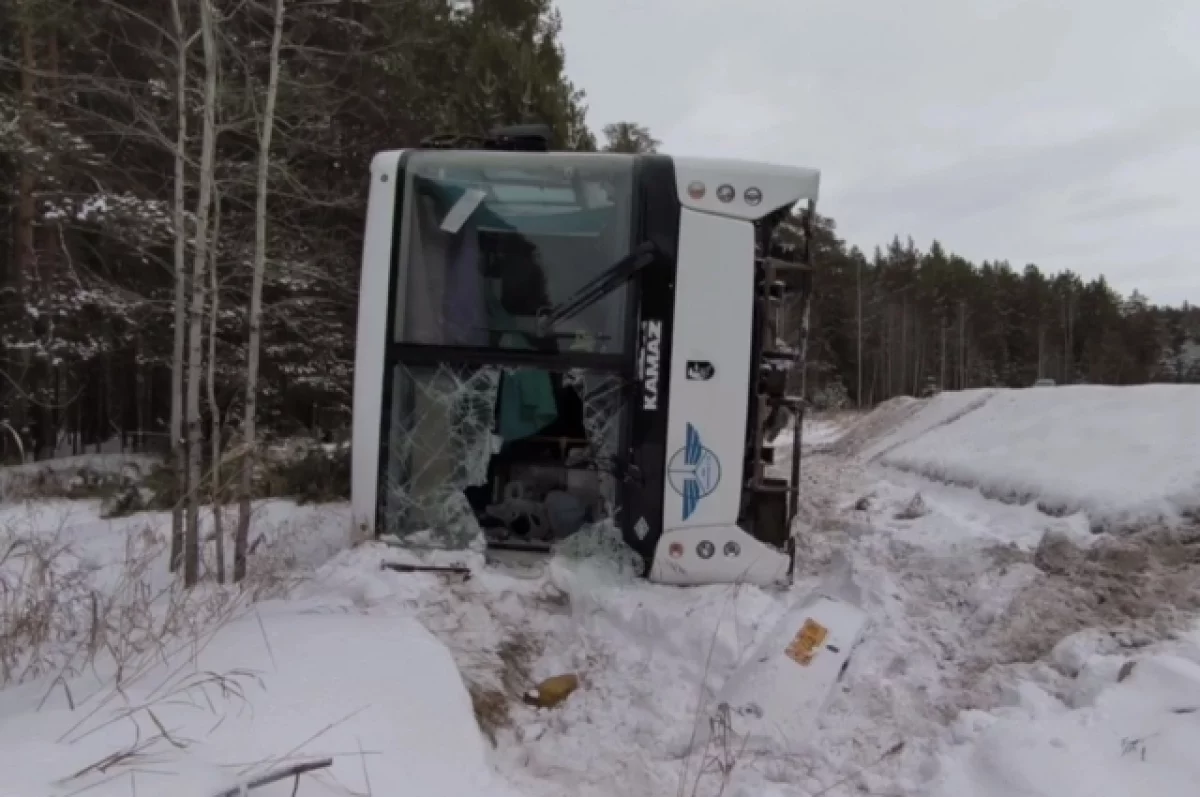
[217,150]
[906,321]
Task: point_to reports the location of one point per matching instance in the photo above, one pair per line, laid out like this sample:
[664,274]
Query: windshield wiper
[603,284]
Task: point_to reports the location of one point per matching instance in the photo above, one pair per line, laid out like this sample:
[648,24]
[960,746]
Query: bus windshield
[491,240]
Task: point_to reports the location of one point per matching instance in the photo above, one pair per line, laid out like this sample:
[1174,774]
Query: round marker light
[675,550]
[726,193]
[753,196]
[696,190]
[705,549]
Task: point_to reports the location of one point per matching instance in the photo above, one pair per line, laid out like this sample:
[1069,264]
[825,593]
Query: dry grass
[128,623]
[61,612]
[492,707]
[497,673]
[499,685]
[65,609]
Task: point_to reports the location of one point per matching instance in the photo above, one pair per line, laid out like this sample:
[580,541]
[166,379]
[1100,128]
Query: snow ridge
[1124,456]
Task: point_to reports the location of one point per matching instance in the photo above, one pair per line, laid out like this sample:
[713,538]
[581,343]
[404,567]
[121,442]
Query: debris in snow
[276,775]
[914,509]
[400,567]
[1141,589]
[552,691]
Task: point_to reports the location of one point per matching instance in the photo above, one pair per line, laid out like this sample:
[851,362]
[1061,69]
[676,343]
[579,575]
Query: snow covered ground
[1012,652]
[1125,456]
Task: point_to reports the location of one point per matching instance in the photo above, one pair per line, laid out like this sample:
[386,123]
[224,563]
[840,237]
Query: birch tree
[214,411]
[266,129]
[25,252]
[204,201]
[178,452]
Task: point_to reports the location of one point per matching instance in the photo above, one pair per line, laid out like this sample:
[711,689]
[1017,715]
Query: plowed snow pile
[1123,455]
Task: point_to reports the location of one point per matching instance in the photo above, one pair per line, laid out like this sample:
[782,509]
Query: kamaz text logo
[648,363]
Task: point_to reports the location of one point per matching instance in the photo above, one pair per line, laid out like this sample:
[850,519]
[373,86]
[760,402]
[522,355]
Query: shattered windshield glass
[451,464]
[502,252]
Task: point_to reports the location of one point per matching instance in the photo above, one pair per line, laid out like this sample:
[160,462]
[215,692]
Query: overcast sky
[1060,132]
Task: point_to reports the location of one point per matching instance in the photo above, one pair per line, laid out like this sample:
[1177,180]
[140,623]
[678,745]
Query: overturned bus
[552,339]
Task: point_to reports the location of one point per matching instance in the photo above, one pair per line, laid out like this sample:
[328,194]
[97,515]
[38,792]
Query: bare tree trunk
[26,208]
[805,327]
[191,553]
[876,380]
[53,245]
[962,344]
[178,453]
[214,411]
[1068,339]
[942,372]
[918,353]
[1041,349]
[859,337]
[249,431]
[25,254]
[139,396]
[889,353]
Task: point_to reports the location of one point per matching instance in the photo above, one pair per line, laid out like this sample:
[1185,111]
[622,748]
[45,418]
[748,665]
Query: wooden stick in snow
[276,775]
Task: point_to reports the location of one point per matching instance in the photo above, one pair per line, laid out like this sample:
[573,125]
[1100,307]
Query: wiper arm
[605,283]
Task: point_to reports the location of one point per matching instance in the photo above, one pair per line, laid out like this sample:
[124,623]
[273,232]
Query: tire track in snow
[974,406]
[930,607]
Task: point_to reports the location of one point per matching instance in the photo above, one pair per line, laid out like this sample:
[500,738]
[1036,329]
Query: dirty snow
[1011,652]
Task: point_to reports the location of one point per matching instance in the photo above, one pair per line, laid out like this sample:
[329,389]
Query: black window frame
[623,364]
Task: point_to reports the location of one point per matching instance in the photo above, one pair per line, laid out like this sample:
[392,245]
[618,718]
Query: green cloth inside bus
[527,402]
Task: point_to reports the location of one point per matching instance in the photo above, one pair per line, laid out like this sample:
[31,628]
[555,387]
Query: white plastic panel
[372,339]
[714,315]
[717,555]
[777,185]
[776,698]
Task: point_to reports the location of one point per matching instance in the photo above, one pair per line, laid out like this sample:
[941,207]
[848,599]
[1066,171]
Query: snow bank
[1123,455]
[1136,734]
[380,695]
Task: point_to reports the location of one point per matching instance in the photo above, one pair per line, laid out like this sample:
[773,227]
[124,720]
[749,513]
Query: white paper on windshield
[462,210]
